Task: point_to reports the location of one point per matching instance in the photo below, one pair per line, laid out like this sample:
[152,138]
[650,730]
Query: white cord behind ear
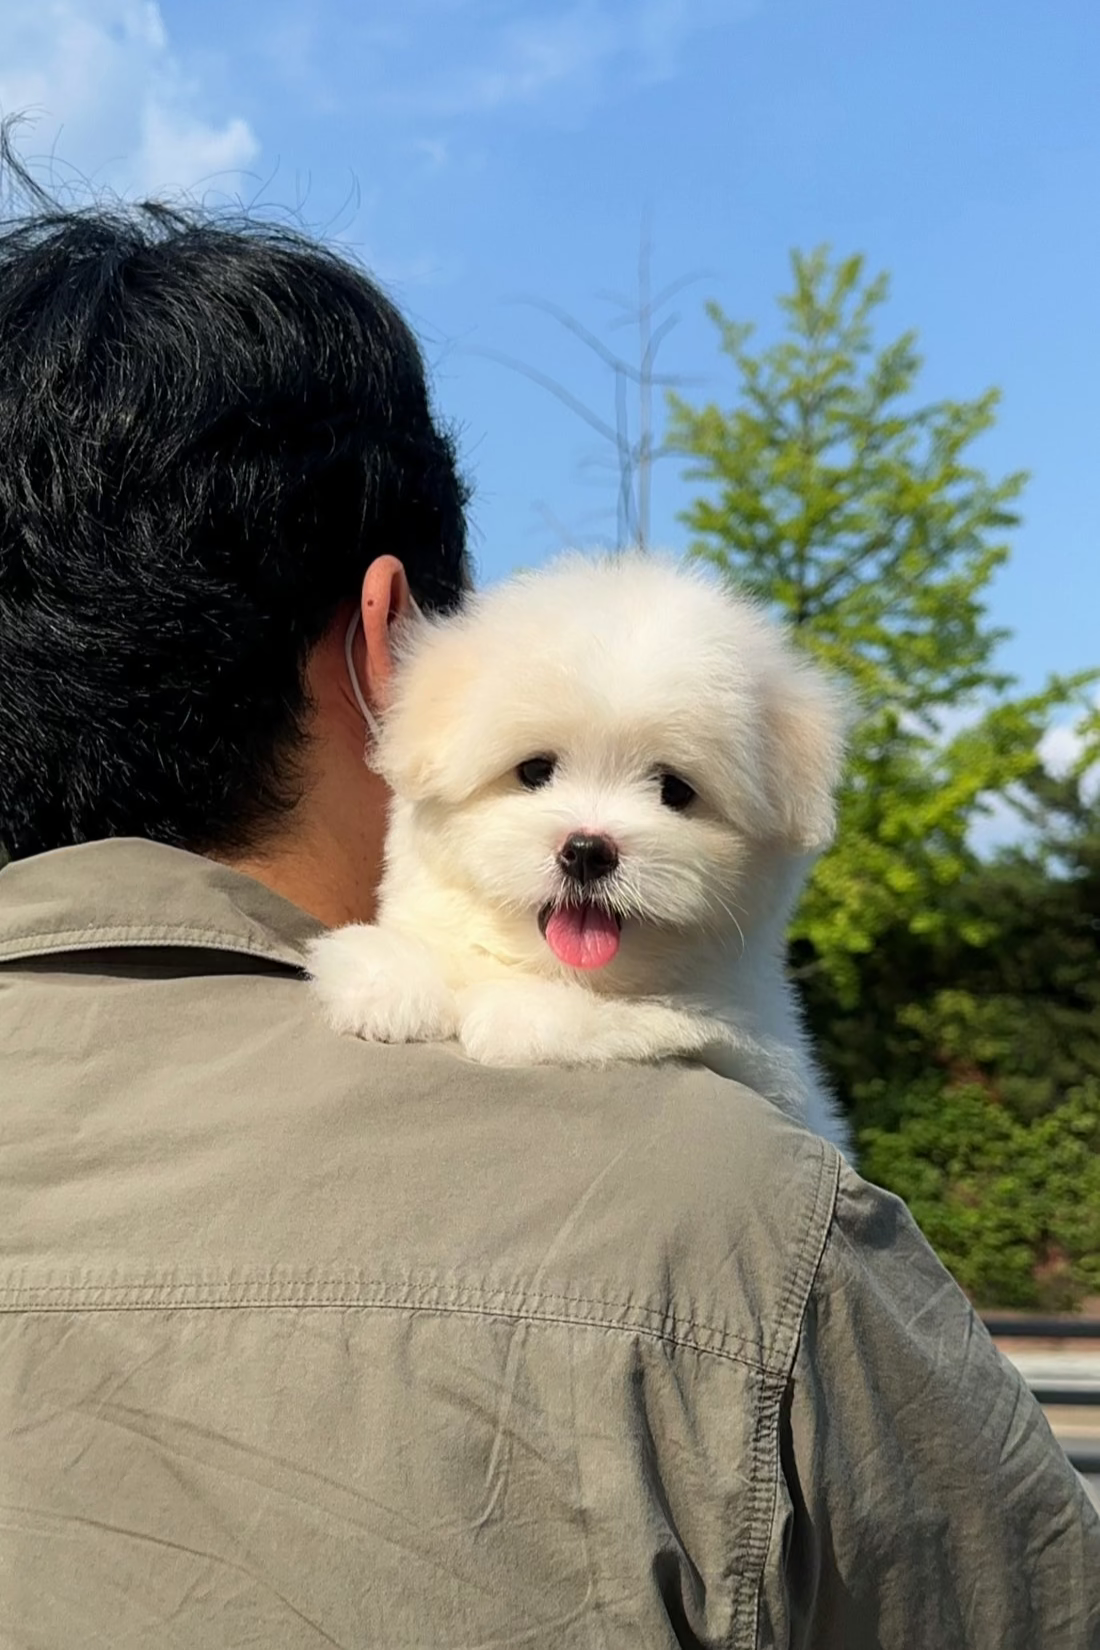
[360,697]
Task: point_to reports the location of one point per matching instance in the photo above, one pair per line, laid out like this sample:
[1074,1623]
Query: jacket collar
[129,892]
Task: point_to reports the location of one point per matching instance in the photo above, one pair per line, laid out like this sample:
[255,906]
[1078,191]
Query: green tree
[956,1000]
[974,1069]
[858,514]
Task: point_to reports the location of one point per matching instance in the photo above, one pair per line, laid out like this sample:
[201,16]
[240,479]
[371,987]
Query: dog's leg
[381,986]
[541,1022]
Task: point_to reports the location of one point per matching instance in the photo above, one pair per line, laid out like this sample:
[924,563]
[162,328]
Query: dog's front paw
[525,1023]
[381,986]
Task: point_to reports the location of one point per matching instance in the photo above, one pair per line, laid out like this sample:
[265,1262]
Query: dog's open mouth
[581,935]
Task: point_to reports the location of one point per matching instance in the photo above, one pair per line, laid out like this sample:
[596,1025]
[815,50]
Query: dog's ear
[419,752]
[806,719]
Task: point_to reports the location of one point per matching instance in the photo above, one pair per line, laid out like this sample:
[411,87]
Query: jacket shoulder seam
[765,1457]
[97,937]
[351,1293]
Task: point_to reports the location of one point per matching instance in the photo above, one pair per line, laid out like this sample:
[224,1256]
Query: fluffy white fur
[621,670]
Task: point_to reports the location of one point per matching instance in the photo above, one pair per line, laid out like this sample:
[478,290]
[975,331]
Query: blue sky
[474,150]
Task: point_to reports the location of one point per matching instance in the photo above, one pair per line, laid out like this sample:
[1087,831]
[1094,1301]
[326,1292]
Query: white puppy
[610,779]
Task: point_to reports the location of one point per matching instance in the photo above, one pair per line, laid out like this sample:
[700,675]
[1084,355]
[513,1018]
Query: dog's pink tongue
[582,936]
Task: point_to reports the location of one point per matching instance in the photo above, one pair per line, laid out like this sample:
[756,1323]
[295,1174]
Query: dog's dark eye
[536,772]
[676,793]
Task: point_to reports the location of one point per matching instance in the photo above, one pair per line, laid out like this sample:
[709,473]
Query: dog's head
[609,745]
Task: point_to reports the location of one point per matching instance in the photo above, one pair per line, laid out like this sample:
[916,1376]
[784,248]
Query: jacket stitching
[95,937]
[20,1298]
[764,1485]
[619,1325]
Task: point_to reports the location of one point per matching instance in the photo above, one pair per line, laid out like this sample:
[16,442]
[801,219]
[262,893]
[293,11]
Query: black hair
[208,429]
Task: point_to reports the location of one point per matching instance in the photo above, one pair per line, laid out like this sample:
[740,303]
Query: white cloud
[533,57]
[434,152]
[108,95]
[551,50]
[1060,749]
[1063,746]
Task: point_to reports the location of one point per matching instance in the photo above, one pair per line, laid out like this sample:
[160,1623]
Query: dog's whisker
[729,913]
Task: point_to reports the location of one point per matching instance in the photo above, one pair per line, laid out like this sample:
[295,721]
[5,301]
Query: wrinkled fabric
[306,1342]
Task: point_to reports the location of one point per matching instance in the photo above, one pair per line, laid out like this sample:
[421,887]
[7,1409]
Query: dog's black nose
[586,859]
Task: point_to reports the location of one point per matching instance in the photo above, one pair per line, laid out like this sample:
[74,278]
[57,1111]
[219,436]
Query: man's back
[306,1341]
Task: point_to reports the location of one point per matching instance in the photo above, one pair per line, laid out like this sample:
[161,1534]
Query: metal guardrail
[1053,1391]
[1064,1392]
[1043,1329]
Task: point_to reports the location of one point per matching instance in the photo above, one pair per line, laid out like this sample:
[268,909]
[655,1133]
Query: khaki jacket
[305,1342]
